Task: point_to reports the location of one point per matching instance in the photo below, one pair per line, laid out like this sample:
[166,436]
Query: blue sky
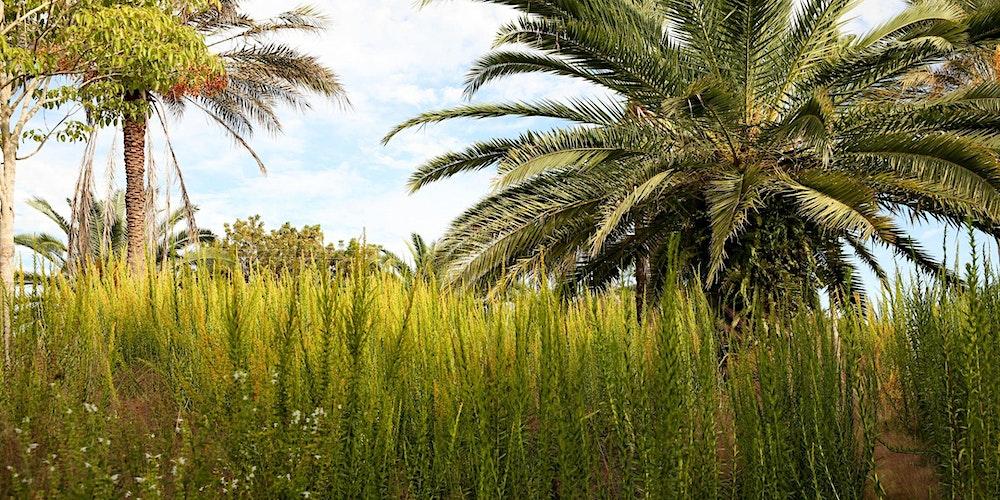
[329,166]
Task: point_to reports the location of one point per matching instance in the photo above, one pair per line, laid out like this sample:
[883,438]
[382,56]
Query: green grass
[360,386]
[948,357]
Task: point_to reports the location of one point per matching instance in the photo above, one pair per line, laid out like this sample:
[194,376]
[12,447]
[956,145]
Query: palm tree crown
[777,149]
[261,75]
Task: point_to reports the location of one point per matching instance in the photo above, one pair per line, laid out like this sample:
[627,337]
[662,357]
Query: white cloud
[329,166]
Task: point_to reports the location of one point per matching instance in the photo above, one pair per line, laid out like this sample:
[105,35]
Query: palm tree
[424,256]
[755,141]
[108,234]
[976,66]
[261,75]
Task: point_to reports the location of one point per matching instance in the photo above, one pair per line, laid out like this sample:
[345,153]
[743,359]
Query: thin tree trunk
[642,269]
[641,284]
[9,142]
[7,176]
[135,187]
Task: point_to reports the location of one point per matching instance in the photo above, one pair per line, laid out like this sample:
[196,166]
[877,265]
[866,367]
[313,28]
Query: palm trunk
[135,186]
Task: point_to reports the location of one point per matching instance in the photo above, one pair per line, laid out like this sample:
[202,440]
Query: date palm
[767,148]
[261,75]
[979,65]
[424,257]
[108,235]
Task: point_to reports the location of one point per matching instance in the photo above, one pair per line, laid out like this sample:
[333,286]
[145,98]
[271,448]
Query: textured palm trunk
[135,188]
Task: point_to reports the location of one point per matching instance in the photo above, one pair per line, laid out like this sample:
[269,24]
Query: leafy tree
[760,136]
[108,236]
[257,76]
[47,46]
[288,250]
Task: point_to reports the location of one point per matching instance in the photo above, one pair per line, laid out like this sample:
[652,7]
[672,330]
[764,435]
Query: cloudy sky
[329,167]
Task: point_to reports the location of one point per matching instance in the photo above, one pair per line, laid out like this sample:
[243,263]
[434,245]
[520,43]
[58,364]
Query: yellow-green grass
[199,385]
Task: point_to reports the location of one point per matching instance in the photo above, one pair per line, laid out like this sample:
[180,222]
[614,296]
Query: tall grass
[948,356]
[805,400]
[363,386]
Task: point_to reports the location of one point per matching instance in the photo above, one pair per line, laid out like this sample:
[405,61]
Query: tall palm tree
[261,75]
[773,147]
[108,234]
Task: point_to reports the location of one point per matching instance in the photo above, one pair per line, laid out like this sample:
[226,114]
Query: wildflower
[181,460]
[83,449]
[91,408]
[114,478]
[17,430]
[32,447]
[306,494]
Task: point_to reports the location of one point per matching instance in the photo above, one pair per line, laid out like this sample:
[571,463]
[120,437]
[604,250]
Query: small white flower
[91,408]
[181,460]
[114,478]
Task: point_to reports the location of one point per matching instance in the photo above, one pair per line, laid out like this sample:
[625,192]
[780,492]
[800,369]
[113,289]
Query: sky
[329,167]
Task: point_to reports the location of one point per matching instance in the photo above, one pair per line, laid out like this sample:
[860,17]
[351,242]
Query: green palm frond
[763,138]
